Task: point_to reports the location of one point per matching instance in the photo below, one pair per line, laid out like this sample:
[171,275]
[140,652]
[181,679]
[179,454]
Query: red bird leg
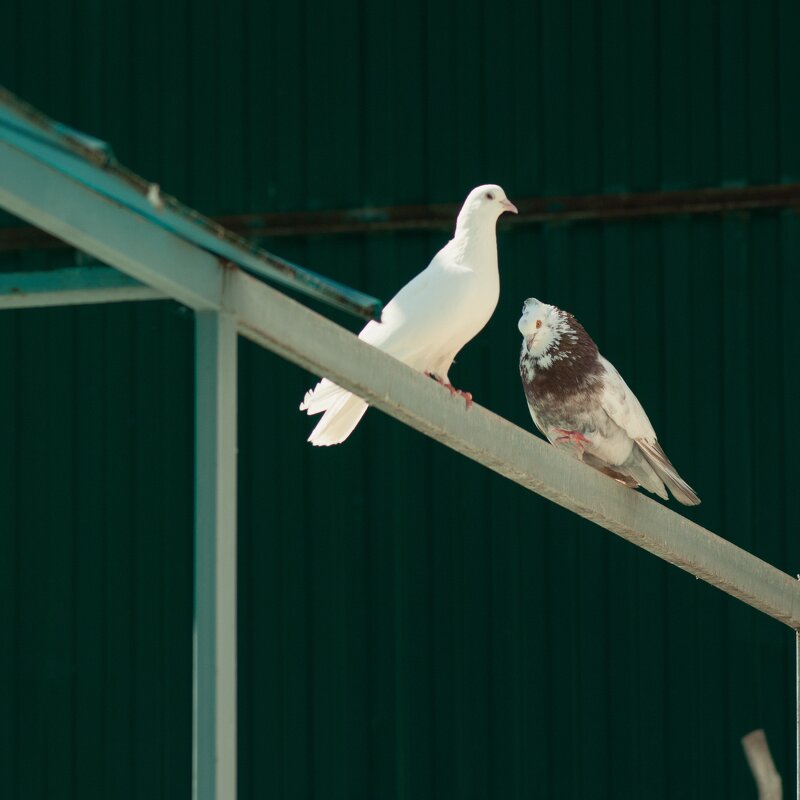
[438,380]
[575,437]
[467,397]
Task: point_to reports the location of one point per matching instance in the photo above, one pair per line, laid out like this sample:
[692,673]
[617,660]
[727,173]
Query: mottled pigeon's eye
[538,324]
[489,196]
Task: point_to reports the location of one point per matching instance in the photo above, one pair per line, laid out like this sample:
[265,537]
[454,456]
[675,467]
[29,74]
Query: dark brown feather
[578,369]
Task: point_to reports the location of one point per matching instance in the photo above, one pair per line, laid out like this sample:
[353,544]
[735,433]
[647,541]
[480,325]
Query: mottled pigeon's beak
[509,206]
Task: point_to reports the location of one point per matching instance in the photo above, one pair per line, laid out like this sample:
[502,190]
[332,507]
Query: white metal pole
[214,728]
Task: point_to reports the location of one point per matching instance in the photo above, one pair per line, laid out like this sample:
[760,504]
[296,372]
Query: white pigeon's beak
[509,206]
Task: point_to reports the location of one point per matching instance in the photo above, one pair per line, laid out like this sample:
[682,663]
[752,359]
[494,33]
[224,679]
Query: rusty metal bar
[533,211]
[537,210]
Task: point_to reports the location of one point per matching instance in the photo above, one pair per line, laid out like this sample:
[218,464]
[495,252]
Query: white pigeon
[432,317]
[580,402]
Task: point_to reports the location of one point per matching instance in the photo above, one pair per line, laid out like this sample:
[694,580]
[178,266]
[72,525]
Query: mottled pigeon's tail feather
[339,420]
[640,469]
[635,472]
[657,458]
[606,469]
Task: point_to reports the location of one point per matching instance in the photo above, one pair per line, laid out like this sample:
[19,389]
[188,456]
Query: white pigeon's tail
[343,412]
[658,460]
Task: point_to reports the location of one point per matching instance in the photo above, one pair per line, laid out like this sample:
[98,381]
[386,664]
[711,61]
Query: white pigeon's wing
[412,295]
[401,316]
[413,319]
[620,403]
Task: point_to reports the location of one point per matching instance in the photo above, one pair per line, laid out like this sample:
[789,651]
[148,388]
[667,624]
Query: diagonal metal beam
[308,339]
[71,286]
[189,274]
[109,232]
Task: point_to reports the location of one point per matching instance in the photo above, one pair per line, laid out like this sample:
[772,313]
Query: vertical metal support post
[214,721]
[797,710]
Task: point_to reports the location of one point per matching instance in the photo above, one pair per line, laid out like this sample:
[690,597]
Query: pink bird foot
[466,395]
[573,437]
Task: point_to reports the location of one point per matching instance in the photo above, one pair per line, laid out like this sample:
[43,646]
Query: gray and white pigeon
[580,403]
[432,317]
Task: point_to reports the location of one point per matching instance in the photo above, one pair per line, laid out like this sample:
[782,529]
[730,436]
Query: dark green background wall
[411,625]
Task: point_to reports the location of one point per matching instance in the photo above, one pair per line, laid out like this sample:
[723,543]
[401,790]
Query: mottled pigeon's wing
[621,404]
[536,421]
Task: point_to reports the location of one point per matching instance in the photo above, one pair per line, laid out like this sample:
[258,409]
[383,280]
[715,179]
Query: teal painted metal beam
[71,286]
[115,235]
[112,233]
[214,730]
[88,162]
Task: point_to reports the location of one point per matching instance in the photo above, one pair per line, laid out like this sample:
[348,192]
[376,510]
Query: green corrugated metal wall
[412,625]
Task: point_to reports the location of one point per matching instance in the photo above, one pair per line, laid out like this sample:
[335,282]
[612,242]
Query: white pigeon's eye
[538,324]
[489,196]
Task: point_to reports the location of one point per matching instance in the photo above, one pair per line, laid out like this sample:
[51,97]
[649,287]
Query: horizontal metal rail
[533,211]
[117,236]
[71,286]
